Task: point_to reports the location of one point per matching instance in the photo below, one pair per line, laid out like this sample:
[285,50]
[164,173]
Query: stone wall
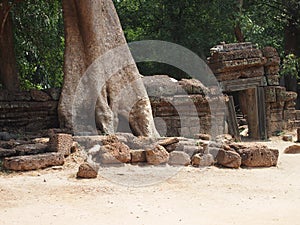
[28,111]
[244,62]
[181,108]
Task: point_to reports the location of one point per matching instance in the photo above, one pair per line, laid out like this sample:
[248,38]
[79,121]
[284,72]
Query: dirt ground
[134,195]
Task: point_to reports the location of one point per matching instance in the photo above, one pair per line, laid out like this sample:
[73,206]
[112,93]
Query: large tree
[8,68]
[92,29]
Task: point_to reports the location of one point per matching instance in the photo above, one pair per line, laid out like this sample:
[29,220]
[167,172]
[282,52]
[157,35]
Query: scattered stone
[287,137]
[138,156]
[229,159]
[179,158]
[192,150]
[61,143]
[87,171]
[168,141]
[115,153]
[134,142]
[200,160]
[174,147]
[205,137]
[157,155]
[293,149]
[258,156]
[33,162]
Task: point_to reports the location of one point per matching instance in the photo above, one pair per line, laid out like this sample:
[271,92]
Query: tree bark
[8,65]
[92,32]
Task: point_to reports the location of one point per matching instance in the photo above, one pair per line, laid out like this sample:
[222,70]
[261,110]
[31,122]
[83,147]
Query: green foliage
[195,24]
[39,43]
[290,66]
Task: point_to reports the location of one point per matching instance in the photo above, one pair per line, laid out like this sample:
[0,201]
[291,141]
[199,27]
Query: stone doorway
[248,96]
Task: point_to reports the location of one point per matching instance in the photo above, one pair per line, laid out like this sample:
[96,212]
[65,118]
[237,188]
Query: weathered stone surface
[200,160]
[269,52]
[39,96]
[157,155]
[193,86]
[168,141]
[160,85]
[229,159]
[179,158]
[237,54]
[7,152]
[33,162]
[61,143]
[87,171]
[134,142]
[138,156]
[31,149]
[239,64]
[293,149]
[205,137]
[115,153]
[270,93]
[174,147]
[192,149]
[257,155]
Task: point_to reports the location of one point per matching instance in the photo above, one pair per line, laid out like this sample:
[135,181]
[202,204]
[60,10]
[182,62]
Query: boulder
[33,162]
[61,143]
[293,149]
[115,153]
[200,160]
[87,171]
[229,159]
[157,155]
[138,156]
[258,156]
[179,158]
[160,85]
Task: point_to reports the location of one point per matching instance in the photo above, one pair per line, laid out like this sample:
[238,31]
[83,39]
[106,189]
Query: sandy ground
[187,195]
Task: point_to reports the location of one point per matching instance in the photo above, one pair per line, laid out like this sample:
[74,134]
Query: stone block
[157,155]
[61,143]
[33,162]
[179,158]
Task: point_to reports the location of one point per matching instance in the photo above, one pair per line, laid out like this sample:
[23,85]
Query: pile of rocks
[102,151]
[21,155]
[125,148]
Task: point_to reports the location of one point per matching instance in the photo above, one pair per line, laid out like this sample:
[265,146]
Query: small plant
[290,66]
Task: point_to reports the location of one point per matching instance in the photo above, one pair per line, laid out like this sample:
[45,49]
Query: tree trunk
[101,79]
[8,66]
